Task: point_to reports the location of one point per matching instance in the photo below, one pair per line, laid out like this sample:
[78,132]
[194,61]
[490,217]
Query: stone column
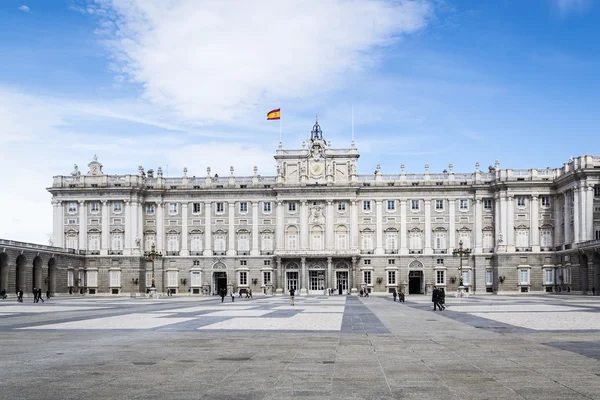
[567,220]
[58,233]
[510,224]
[304,225]
[503,218]
[583,212]
[557,221]
[231,241]
[160,227]
[354,273]
[140,221]
[184,230]
[82,225]
[105,229]
[478,227]
[207,229]
[135,233]
[303,278]
[428,249]
[379,234]
[127,244]
[497,222]
[255,248]
[279,226]
[534,225]
[576,216]
[329,225]
[403,228]
[589,205]
[280,280]
[329,273]
[354,225]
[452,223]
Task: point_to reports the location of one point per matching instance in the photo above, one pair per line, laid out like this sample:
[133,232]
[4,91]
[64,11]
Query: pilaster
[231,242]
[135,233]
[304,225]
[583,212]
[303,278]
[58,231]
[329,225]
[255,249]
[510,224]
[354,224]
[403,228]
[428,249]
[576,216]
[105,229]
[329,273]
[452,223]
[184,229]
[83,225]
[478,227]
[589,204]
[379,234]
[160,226]
[279,225]
[535,222]
[567,219]
[127,244]
[207,229]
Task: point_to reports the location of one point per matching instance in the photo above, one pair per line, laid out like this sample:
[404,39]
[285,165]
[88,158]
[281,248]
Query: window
[524,277]
[94,241]
[292,207]
[548,277]
[70,278]
[488,239]
[342,206]
[116,241]
[149,240]
[597,191]
[414,205]
[466,277]
[172,279]
[546,238]
[367,205]
[243,278]
[115,278]
[367,262]
[597,234]
[317,241]
[195,242]
[243,262]
[522,240]
[487,204]
[391,278]
[196,262]
[94,207]
[391,261]
[415,242]
[391,205]
[267,207]
[439,205]
[266,277]
[173,242]
[72,207]
[292,242]
[367,277]
[220,208]
[465,236]
[173,208]
[489,278]
[440,240]
[117,207]
[440,277]
[545,201]
[367,241]
[391,241]
[267,263]
[196,208]
[342,241]
[567,275]
[266,243]
[150,209]
[92,278]
[243,242]
[196,279]
[520,201]
[72,241]
[463,205]
[243,207]
[220,243]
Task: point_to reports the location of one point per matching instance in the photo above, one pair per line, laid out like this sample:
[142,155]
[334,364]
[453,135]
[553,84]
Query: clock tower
[317,163]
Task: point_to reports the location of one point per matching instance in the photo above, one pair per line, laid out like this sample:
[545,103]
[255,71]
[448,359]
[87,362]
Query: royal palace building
[318,225]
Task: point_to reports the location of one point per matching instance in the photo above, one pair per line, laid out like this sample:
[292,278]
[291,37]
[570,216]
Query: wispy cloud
[24,8]
[567,7]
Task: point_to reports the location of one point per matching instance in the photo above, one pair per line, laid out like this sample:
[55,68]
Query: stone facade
[318,225]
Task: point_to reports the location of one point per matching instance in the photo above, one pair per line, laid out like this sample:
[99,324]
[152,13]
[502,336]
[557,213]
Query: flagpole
[280,131]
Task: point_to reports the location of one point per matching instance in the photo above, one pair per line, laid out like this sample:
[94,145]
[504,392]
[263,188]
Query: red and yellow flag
[274,114]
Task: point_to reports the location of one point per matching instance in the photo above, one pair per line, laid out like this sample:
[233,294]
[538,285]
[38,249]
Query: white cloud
[215,61]
[24,8]
[566,7]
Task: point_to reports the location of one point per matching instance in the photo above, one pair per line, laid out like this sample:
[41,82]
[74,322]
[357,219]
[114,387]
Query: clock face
[316,169]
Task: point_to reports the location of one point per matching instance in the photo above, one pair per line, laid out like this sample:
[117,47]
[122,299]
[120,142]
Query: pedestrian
[593,290]
[292,293]
[232,295]
[241,293]
[222,293]
[395,294]
[442,299]
[189,291]
[435,296]
[35,299]
[39,295]
[48,294]
[366,292]
[361,293]
[250,292]
[2,294]
[20,296]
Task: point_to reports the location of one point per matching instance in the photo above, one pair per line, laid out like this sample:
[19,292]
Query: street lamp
[461,252]
[151,256]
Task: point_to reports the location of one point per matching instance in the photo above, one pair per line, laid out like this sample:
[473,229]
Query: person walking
[435,295]
[400,297]
[35,299]
[39,295]
[232,295]
[361,293]
[48,294]
[241,291]
[441,299]
[366,293]
[222,293]
[593,290]
[395,294]
[292,293]
[250,292]
[20,296]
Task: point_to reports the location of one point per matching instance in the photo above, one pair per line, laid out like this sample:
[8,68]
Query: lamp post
[461,252]
[151,256]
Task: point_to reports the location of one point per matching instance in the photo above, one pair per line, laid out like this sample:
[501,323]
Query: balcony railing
[523,249]
[366,251]
[172,253]
[243,253]
[440,251]
[416,251]
[391,251]
[219,253]
[115,252]
[266,252]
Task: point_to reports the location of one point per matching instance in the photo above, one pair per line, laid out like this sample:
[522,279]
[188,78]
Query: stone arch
[21,266]
[37,272]
[219,265]
[52,272]
[4,271]
[415,264]
[292,265]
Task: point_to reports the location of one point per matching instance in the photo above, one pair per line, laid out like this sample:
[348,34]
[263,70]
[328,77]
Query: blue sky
[187,84]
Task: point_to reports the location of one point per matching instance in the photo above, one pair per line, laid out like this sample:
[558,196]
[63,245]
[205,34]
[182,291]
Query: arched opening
[583,272]
[37,272]
[415,278]
[4,272]
[219,278]
[20,274]
[52,275]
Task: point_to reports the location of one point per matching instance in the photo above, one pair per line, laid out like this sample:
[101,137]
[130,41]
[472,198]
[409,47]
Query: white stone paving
[47,309]
[298,322]
[469,308]
[547,321]
[237,313]
[128,321]
[204,308]
[313,309]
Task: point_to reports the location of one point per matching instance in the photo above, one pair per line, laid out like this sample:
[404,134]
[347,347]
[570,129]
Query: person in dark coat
[435,298]
[442,299]
[400,297]
[39,295]
[395,294]
[48,294]
[222,293]
[292,293]
[20,296]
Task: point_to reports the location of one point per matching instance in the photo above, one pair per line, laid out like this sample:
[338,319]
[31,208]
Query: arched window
[415,239]
[220,241]
[292,238]
[196,241]
[243,240]
[367,240]
[149,240]
[317,238]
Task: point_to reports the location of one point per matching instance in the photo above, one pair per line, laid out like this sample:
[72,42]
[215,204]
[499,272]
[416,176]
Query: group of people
[438,297]
[364,293]
[398,295]
[248,293]
[223,293]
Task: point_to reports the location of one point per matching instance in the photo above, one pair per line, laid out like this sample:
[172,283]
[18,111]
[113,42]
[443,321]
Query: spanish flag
[274,114]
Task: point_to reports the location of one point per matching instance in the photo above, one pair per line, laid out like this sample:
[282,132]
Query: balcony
[195,253]
[243,253]
[440,251]
[172,253]
[366,251]
[416,251]
[523,249]
[219,253]
[115,252]
[391,251]
[266,252]
[93,252]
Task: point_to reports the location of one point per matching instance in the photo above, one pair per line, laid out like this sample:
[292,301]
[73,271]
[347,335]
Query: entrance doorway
[415,282]
[219,281]
[316,282]
[342,281]
[292,281]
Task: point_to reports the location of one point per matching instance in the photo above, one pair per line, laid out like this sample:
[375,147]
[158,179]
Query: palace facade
[318,225]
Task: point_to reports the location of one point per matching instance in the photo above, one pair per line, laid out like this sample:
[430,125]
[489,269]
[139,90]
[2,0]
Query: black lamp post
[461,252]
[151,256]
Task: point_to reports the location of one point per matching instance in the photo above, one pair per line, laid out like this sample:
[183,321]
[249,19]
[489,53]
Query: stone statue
[303,168]
[75,170]
[138,242]
[500,240]
[330,169]
[352,169]
[50,241]
[279,170]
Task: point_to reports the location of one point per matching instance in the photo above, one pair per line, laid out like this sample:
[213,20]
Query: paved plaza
[338,347]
